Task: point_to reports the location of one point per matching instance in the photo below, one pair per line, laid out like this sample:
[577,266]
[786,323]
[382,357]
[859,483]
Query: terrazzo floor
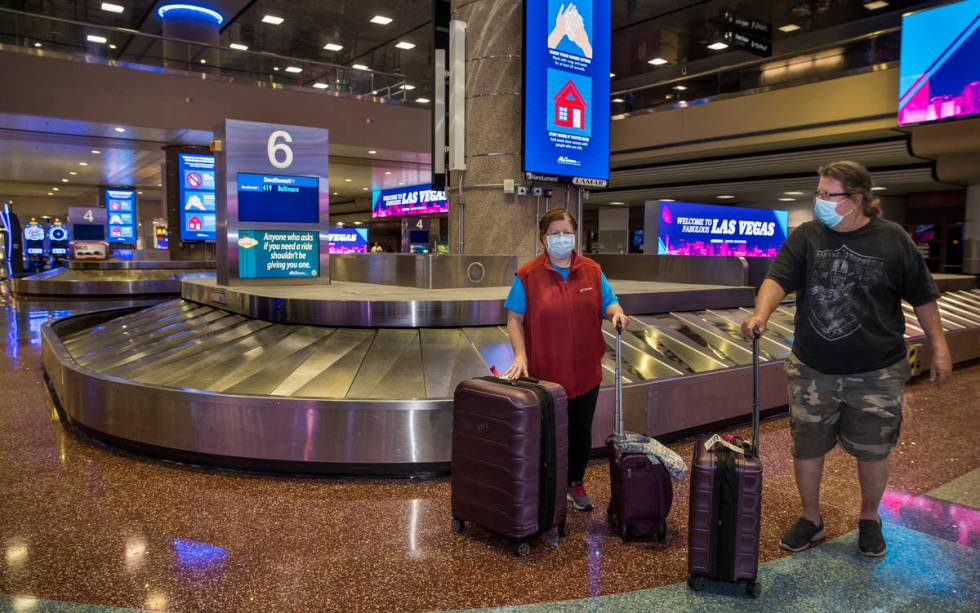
[86,525]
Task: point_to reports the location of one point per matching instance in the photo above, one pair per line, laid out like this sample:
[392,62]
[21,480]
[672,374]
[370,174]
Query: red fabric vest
[563,323]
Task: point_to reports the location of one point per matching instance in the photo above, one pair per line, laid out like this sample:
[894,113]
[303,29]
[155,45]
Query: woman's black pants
[580,412]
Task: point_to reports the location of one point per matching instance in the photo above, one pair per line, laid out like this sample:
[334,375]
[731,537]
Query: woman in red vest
[555,312]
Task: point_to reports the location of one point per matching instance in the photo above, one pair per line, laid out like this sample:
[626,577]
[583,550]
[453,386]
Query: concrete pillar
[493,222]
[613,230]
[971,231]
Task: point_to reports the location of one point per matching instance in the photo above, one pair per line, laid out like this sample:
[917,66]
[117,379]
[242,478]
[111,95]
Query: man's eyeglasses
[828,195]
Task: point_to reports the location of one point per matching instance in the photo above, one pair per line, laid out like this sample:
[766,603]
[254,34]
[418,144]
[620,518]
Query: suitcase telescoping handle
[619,380]
[756,334]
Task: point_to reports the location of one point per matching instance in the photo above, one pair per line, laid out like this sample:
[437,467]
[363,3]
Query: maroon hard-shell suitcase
[510,457]
[726,507]
[642,491]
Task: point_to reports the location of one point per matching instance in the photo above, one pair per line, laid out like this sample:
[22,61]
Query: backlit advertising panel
[348,240]
[120,207]
[278,198]
[278,254]
[415,200]
[566,90]
[707,229]
[197,205]
[939,76]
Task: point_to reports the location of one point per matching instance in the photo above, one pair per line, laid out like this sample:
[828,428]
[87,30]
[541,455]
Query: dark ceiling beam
[662,15]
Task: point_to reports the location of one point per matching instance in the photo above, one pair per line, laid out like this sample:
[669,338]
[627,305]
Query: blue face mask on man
[826,212]
[560,246]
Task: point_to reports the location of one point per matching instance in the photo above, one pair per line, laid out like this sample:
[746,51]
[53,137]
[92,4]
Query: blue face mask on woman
[826,212]
[560,246]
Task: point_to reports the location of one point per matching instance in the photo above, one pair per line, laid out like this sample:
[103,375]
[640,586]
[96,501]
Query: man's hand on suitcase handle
[754,327]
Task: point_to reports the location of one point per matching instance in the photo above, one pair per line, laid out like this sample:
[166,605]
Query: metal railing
[127,48]
[871,51]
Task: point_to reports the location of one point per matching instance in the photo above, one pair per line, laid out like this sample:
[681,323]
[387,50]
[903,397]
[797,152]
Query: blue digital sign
[566,90]
[348,240]
[120,207]
[197,206]
[707,229]
[278,199]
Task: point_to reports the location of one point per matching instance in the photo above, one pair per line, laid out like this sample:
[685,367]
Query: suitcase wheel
[753,589]
[695,582]
[662,533]
[563,529]
[523,549]
[624,532]
[458,524]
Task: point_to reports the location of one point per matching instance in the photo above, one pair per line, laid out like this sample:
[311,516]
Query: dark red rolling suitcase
[510,457]
[642,491]
[726,507]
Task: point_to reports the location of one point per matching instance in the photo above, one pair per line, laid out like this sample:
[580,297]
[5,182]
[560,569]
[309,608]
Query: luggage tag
[716,440]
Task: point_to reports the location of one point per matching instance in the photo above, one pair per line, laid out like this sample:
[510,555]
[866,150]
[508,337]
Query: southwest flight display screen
[939,75]
[566,88]
[120,207]
[197,207]
[278,198]
[706,229]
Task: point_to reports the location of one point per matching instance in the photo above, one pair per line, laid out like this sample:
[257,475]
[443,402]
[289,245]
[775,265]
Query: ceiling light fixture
[320,86]
[274,20]
[874,6]
[112,8]
[72,172]
[718,46]
[681,88]
[618,101]
[120,130]
[204,61]
[51,193]
[364,189]
[787,199]
[408,87]
[95,38]
[96,151]
[348,180]
[381,20]
[113,46]
[239,46]
[372,151]
[294,69]
[359,67]
[725,197]
[64,180]
[139,193]
[667,200]
[54,189]
[657,61]
[878,189]
[332,47]
[405,45]
[612,75]
[422,100]
[191,8]
[83,163]
[387,172]
[276,68]
[794,193]
[38,45]
[617,202]
[789,27]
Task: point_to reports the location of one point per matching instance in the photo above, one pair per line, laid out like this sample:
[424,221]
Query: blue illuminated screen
[198,220]
[120,207]
[278,198]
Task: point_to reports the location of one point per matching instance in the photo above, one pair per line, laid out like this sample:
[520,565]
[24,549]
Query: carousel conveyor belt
[386,389]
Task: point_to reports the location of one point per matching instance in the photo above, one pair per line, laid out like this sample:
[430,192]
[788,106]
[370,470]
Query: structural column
[494,223]
[971,232]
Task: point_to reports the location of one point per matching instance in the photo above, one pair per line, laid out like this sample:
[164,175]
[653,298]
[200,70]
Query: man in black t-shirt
[850,271]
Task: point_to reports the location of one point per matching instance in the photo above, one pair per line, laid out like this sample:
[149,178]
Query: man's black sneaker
[870,541]
[801,535]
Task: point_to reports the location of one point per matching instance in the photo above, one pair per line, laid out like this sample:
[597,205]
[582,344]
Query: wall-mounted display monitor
[120,205]
[939,76]
[415,200]
[58,238]
[707,229]
[196,192]
[33,240]
[278,254]
[348,240]
[278,199]
[89,232]
[566,90]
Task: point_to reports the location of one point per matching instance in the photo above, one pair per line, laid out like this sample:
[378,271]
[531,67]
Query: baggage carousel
[354,378]
[97,279]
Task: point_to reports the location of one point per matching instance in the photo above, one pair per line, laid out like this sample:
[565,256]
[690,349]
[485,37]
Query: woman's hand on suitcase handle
[620,321]
[754,327]
[518,369]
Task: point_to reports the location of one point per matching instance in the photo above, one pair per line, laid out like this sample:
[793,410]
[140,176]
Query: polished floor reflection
[83,524]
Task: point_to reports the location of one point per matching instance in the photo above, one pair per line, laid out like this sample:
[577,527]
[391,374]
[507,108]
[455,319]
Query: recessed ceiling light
[718,46]
[612,75]
[422,100]
[667,200]
[272,19]
[794,193]
[332,47]
[726,197]
[878,189]
[72,172]
[83,163]
[874,6]
[408,87]
[787,199]
[348,180]
[239,46]
[294,69]
[320,86]
[38,45]
[617,202]
[401,183]
[360,67]
[618,100]
[204,61]
[113,46]
[789,27]
[657,61]
[139,193]
[405,45]
[51,193]
[54,189]
[276,68]
[96,151]
[64,180]
[336,194]
[112,8]
[381,20]
[680,88]
[374,92]
[372,151]
[94,38]
[120,130]
[682,104]
[364,189]
[387,172]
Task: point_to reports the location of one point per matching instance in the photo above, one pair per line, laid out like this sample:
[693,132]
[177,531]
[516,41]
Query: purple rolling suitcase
[642,491]
[510,457]
[726,506]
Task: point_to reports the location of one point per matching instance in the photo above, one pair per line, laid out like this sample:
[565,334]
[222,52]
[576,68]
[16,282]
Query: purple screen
[706,229]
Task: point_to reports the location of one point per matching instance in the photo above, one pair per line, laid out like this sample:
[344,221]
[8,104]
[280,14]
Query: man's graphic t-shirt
[849,287]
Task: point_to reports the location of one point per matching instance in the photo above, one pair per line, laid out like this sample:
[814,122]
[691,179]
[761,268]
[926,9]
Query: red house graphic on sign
[570,107]
[194,223]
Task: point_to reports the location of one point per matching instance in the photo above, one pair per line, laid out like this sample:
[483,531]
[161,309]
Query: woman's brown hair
[552,216]
[856,181]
